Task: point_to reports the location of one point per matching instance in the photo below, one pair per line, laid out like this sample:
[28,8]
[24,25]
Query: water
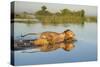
[85,47]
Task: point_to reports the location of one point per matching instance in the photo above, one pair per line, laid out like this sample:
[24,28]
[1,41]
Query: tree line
[62,12]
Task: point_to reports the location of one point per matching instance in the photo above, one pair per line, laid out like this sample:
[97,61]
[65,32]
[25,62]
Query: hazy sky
[32,7]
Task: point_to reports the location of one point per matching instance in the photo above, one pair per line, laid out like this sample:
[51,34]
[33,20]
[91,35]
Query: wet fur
[52,38]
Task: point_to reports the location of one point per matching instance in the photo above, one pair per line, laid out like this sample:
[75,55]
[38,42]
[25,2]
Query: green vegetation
[91,18]
[61,17]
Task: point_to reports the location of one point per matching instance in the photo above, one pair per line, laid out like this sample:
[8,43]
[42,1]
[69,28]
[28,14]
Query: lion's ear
[67,30]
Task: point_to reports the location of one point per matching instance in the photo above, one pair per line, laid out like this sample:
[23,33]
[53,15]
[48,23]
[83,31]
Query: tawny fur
[53,37]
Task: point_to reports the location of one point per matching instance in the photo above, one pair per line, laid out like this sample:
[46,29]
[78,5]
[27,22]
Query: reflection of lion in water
[40,42]
[53,37]
[65,46]
[45,46]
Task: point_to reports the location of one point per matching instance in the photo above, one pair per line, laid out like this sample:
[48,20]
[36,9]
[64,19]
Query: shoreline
[24,20]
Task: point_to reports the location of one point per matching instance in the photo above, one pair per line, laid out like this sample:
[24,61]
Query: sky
[31,7]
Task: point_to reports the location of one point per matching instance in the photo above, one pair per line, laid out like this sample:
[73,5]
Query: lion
[55,37]
[51,38]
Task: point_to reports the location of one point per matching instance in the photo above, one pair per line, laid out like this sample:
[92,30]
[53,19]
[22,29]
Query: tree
[65,11]
[43,8]
[82,13]
[43,11]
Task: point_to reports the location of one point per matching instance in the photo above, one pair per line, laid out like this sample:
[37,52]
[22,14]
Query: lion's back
[49,35]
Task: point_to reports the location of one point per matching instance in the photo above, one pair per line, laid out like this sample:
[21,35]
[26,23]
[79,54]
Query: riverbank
[24,20]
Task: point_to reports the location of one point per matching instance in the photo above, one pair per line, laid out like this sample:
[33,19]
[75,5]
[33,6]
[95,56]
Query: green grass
[60,19]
